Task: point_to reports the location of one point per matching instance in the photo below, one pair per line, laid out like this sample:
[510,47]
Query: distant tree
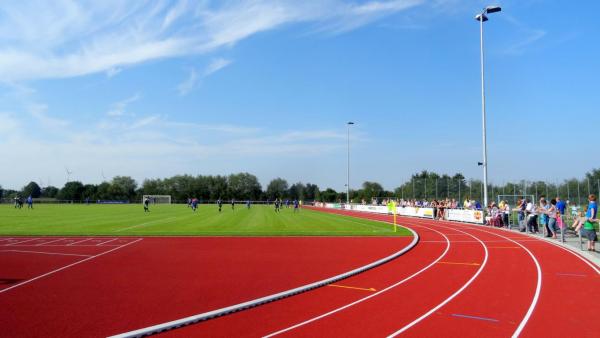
[89,191]
[1,192]
[329,195]
[311,192]
[103,191]
[277,188]
[32,189]
[243,186]
[371,190]
[123,187]
[71,191]
[297,191]
[50,192]
[217,186]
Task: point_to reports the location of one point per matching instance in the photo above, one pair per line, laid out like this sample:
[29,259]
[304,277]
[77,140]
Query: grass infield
[176,220]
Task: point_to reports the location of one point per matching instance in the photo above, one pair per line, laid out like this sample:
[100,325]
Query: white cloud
[118,108]
[113,72]
[58,39]
[216,65]
[38,112]
[188,84]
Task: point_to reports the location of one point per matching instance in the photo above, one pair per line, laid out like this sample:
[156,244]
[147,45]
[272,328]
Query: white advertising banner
[415,212]
[465,215]
[380,209]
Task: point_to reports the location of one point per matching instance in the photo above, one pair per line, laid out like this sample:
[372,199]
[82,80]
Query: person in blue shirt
[296,205]
[588,227]
[29,202]
[560,205]
[248,204]
[194,204]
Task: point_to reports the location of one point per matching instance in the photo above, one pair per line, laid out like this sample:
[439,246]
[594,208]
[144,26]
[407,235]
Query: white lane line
[256,302]
[15,243]
[538,286]
[166,220]
[6,239]
[68,266]
[56,240]
[370,296]
[81,241]
[567,249]
[459,291]
[101,243]
[46,253]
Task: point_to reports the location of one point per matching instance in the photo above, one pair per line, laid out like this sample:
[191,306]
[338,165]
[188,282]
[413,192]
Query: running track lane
[159,278]
[406,288]
[498,303]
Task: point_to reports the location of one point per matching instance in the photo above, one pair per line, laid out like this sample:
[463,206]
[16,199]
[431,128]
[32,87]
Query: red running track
[460,281]
[95,287]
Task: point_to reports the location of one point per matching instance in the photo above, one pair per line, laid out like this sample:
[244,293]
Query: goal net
[157,199]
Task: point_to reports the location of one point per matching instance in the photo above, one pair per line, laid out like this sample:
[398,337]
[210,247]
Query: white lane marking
[166,220]
[538,286]
[56,240]
[101,243]
[255,302]
[68,266]
[459,291]
[46,253]
[369,296]
[15,243]
[81,241]
[572,252]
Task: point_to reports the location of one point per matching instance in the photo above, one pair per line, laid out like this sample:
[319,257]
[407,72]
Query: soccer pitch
[179,220]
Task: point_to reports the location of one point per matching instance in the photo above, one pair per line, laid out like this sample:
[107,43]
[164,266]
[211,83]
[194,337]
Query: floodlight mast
[482,17]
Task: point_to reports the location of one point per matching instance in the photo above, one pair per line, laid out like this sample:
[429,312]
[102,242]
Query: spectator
[543,217]
[551,213]
[560,205]
[530,210]
[588,227]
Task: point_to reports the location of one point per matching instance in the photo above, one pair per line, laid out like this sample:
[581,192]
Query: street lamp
[482,17]
[348,172]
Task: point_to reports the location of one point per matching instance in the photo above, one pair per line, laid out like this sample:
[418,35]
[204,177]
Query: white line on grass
[147,223]
[68,266]
[45,253]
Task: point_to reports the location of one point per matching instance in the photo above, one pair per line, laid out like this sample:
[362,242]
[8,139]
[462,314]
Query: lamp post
[482,17]
[348,172]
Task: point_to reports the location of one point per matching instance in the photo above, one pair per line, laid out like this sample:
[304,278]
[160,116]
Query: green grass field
[130,220]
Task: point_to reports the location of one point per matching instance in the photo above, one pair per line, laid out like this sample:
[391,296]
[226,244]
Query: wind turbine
[69,172]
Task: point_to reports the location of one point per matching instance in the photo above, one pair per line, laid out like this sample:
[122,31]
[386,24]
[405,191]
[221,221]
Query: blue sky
[157,88]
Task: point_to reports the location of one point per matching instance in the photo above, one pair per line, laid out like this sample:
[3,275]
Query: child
[579,221]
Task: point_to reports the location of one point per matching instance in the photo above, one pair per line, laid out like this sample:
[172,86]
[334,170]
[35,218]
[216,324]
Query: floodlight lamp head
[350,123]
[492,9]
[480,17]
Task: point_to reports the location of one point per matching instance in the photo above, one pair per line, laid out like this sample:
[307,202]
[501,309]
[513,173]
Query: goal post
[157,199]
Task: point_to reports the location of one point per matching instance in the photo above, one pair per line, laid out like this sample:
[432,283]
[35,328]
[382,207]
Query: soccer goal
[157,199]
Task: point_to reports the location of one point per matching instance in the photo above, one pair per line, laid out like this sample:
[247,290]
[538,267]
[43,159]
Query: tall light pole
[348,172]
[482,17]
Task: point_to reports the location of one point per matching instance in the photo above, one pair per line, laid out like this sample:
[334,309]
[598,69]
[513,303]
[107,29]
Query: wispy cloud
[38,112]
[61,39]
[118,108]
[527,36]
[188,84]
[216,65]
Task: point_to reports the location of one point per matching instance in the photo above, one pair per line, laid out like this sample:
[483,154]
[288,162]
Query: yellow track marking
[352,287]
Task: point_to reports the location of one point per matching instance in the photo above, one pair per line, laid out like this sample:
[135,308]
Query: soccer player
[29,202]
[232,204]
[146,203]
[277,204]
[220,204]
[194,204]
[248,204]
[287,203]
[296,205]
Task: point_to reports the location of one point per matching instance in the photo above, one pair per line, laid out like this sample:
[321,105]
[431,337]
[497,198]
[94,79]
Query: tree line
[243,186]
